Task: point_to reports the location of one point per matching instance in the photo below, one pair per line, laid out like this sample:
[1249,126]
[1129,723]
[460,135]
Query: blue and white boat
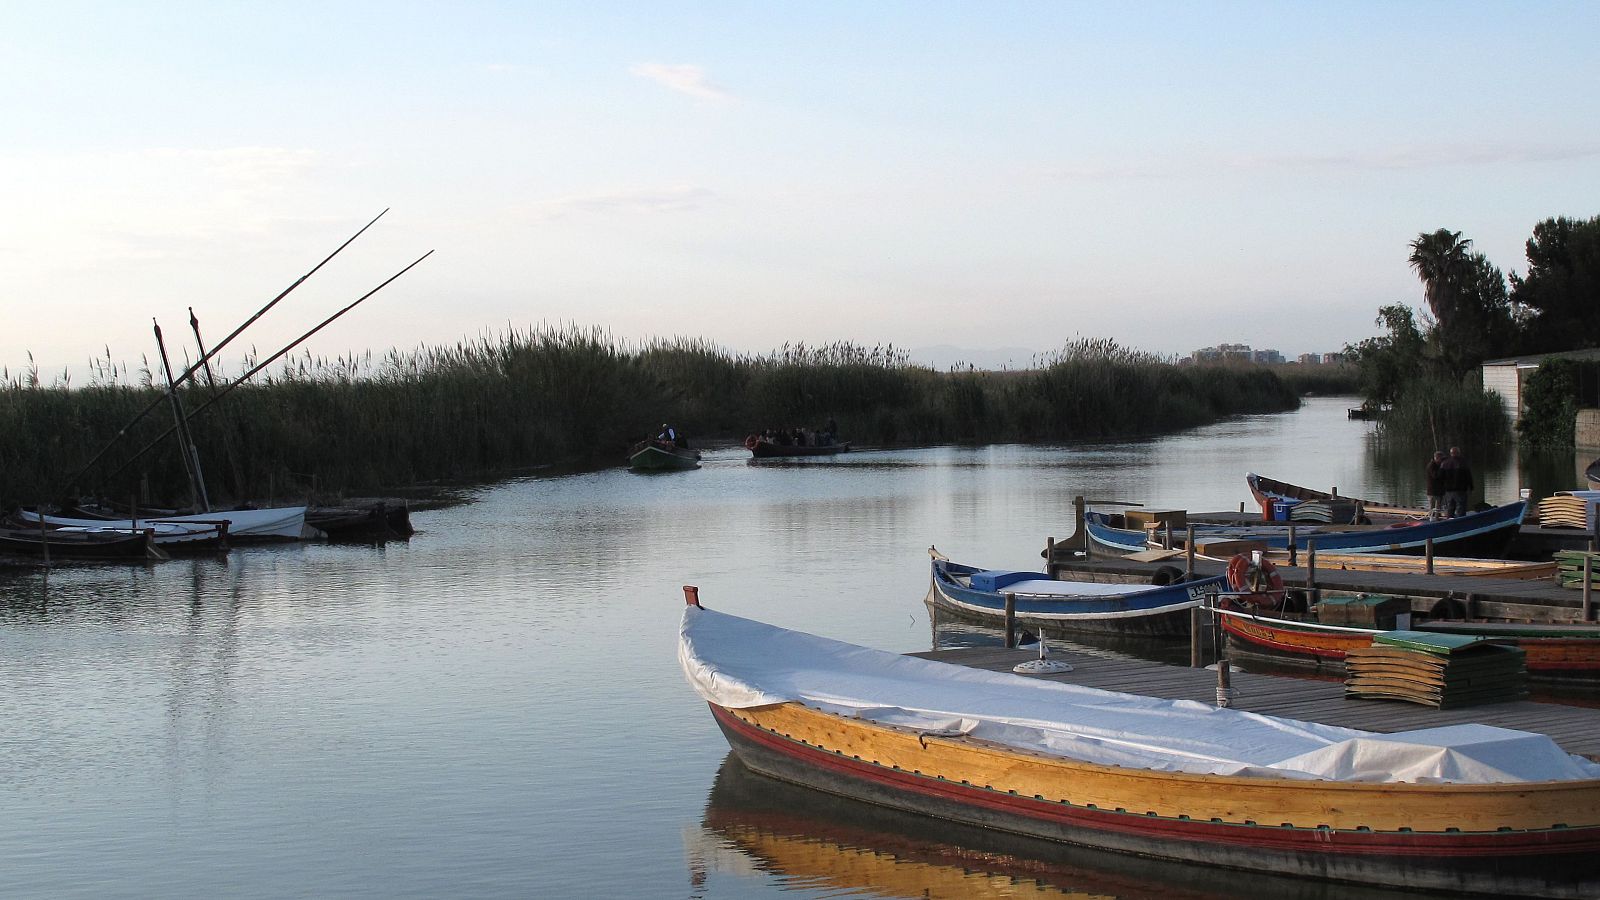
[1049,606]
[1481,534]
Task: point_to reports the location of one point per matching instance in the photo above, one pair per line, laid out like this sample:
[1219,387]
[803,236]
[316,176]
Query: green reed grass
[521,398]
[1439,412]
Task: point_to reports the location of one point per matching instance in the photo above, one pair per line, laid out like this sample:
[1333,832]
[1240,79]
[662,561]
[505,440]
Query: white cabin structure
[1507,376]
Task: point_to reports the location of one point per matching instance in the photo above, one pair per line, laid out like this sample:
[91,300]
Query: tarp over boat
[279,523]
[739,663]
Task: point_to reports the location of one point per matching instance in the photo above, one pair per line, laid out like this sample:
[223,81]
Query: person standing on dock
[1435,479]
[1457,483]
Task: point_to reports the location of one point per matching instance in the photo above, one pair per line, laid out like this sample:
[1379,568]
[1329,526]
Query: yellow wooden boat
[1465,809]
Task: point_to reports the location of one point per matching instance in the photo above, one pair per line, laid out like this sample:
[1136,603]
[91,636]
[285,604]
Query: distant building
[1332,359]
[1235,353]
[1310,359]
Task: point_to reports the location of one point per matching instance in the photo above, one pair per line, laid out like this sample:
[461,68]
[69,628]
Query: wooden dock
[1576,729]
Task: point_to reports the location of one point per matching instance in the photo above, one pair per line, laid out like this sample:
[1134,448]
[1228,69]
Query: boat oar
[267,362]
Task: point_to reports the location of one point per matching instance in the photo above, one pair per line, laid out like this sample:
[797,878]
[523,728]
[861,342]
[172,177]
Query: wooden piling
[1588,595]
[1294,550]
[1011,621]
[1311,571]
[1188,553]
[1224,683]
[1195,625]
[1167,544]
[1050,558]
[1427,555]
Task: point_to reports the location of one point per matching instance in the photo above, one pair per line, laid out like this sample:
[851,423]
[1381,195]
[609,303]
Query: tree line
[1422,372]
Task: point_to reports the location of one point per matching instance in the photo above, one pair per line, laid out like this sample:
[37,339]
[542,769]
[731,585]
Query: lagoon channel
[494,708]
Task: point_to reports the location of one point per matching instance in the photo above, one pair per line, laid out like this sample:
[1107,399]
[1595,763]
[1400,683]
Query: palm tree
[1440,260]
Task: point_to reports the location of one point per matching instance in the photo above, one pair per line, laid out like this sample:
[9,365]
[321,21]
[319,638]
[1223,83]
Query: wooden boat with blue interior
[1468,809]
[1273,496]
[1158,608]
[1477,534]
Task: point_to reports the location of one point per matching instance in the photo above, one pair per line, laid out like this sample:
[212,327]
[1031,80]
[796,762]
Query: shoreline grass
[569,395]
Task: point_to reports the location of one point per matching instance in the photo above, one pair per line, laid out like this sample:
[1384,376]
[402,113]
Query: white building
[1507,376]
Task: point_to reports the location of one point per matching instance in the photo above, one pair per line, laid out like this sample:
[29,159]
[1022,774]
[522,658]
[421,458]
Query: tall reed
[498,402]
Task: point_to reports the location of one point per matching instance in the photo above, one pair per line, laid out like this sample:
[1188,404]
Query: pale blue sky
[984,174]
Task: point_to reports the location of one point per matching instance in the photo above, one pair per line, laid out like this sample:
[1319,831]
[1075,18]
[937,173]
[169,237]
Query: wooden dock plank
[1576,729]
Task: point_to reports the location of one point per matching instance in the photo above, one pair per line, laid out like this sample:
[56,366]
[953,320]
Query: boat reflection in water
[758,828]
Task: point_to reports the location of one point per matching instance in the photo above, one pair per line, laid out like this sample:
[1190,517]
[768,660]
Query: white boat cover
[278,522]
[739,663]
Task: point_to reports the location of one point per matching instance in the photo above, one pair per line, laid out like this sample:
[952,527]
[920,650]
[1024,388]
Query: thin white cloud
[648,200]
[254,166]
[1388,159]
[686,79]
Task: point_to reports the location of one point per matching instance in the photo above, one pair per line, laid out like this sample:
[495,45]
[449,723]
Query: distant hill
[945,356]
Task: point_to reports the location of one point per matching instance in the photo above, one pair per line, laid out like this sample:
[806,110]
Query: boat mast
[189,372]
[226,430]
[267,362]
[186,448]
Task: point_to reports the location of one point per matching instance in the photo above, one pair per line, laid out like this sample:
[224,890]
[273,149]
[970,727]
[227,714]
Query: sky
[976,175]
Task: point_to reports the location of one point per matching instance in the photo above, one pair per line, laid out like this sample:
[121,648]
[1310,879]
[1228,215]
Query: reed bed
[570,395]
[1439,412]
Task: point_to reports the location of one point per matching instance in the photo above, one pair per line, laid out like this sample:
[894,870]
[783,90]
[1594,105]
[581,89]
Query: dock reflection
[757,827]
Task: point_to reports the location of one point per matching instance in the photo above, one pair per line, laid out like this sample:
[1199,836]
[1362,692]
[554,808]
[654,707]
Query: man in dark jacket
[1457,477]
[1435,480]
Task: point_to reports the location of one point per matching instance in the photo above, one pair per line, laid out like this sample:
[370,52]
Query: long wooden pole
[186,454]
[224,432]
[189,373]
[269,361]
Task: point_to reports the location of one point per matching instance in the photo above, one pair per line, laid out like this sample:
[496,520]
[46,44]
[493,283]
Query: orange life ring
[1260,585]
[751,441]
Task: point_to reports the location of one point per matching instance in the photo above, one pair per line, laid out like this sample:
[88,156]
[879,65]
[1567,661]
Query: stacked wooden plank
[1570,509]
[1439,670]
[1337,511]
[1573,566]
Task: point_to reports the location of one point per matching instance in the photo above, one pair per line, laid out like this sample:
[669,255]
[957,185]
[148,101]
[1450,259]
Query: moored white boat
[275,524]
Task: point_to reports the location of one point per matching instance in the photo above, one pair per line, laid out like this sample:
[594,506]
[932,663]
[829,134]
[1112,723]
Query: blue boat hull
[1140,610]
[1482,534]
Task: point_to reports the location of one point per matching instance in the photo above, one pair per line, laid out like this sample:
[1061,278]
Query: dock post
[1167,545]
[1311,570]
[1011,621]
[1224,683]
[1427,553]
[1050,558]
[44,547]
[1241,506]
[1081,541]
[1188,553]
[1294,550]
[1196,622]
[1588,590]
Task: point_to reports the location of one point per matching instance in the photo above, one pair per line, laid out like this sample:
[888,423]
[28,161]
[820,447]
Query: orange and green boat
[1555,652]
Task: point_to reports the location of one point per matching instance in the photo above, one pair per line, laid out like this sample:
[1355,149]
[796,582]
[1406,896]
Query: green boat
[659,456]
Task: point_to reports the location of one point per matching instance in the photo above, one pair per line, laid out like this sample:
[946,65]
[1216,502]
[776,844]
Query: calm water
[495,709]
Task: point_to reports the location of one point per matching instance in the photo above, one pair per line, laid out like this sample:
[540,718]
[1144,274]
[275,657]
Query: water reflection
[474,712]
[760,831]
